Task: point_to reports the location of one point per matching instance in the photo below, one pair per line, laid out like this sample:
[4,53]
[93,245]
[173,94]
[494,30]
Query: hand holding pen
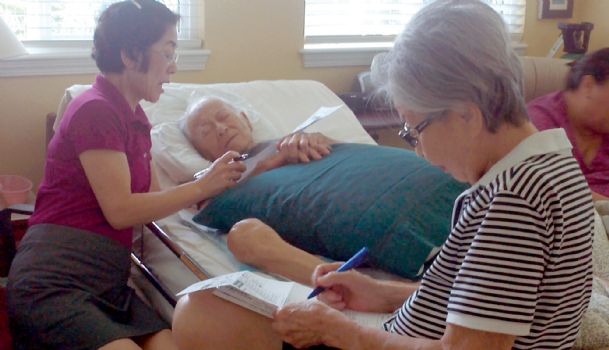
[356,260]
[201,173]
[221,175]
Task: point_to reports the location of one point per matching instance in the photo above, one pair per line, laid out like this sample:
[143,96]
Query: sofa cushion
[543,75]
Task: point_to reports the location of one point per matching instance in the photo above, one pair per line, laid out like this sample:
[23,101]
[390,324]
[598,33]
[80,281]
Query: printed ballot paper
[265,295]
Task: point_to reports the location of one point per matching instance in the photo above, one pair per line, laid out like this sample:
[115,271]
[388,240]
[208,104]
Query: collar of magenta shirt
[108,89]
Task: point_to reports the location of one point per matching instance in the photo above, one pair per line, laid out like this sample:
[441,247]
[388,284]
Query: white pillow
[170,106]
[172,152]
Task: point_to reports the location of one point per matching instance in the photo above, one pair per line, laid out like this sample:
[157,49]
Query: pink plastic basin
[14,189]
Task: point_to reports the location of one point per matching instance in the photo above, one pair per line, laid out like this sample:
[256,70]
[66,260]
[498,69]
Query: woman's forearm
[352,336]
[395,293]
[110,179]
[142,208]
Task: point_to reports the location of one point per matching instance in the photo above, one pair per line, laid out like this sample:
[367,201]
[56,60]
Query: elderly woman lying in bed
[213,125]
[276,220]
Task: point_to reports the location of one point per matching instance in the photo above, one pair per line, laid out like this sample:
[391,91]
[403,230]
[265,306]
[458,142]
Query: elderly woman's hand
[309,323]
[221,175]
[353,290]
[304,147]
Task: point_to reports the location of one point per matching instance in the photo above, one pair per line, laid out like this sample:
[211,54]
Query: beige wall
[597,12]
[540,34]
[261,40]
[249,40]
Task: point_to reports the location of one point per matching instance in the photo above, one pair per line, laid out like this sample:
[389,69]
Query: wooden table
[373,121]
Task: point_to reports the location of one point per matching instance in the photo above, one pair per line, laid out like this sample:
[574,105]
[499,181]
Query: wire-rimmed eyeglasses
[169,57]
[411,135]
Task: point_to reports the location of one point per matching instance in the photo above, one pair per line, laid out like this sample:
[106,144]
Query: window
[347,21]
[58,35]
[34,20]
[513,12]
[356,30]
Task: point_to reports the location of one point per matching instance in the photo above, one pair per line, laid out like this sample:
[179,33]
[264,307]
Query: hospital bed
[198,252]
[174,252]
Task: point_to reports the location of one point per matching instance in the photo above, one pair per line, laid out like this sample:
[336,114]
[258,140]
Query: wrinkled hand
[221,175]
[304,147]
[347,290]
[306,324]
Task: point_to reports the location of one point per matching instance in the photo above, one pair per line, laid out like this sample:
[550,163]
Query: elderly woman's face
[445,142]
[215,128]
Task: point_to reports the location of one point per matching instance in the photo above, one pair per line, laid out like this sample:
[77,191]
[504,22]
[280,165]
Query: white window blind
[55,20]
[352,21]
[513,12]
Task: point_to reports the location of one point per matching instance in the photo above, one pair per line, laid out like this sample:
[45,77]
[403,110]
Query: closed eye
[222,116]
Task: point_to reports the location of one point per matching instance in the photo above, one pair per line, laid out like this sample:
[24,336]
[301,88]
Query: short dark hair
[595,64]
[132,26]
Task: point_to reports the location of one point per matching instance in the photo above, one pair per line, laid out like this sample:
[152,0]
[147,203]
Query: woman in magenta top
[582,109]
[68,283]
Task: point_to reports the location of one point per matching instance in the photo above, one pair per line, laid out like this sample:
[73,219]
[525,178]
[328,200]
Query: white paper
[264,295]
[251,162]
[319,114]
[268,290]
[254,292]
[270,149]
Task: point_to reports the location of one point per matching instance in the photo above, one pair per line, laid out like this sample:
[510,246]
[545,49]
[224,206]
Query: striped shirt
[519,258]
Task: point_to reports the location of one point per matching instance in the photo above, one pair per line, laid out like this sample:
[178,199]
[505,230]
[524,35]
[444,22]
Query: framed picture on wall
[555,9]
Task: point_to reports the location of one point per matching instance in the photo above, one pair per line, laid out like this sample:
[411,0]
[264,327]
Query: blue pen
[352,263]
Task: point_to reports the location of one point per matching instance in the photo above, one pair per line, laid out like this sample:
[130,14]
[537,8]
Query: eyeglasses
[169,57]
[411,135]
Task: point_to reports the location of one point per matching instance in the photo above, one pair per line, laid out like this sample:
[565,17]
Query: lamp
[10,46]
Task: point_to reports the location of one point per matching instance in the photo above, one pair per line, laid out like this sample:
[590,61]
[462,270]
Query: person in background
[215,126]
[67,286]
[582,110]
[516,269]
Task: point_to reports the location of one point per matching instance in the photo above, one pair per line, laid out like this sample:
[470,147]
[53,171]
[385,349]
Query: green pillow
[385,198]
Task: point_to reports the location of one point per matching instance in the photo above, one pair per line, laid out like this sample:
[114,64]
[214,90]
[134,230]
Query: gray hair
[193,108]
[455,52]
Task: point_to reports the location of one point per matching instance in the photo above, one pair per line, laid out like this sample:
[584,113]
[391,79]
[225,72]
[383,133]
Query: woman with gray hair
[515,271]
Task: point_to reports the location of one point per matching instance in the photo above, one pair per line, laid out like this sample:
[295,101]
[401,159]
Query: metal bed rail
[181,254]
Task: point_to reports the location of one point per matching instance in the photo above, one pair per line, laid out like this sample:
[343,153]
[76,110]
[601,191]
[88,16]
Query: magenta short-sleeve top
[549,112]
[99,118]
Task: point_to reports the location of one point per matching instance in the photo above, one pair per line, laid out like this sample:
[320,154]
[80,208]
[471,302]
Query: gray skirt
[67,289]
